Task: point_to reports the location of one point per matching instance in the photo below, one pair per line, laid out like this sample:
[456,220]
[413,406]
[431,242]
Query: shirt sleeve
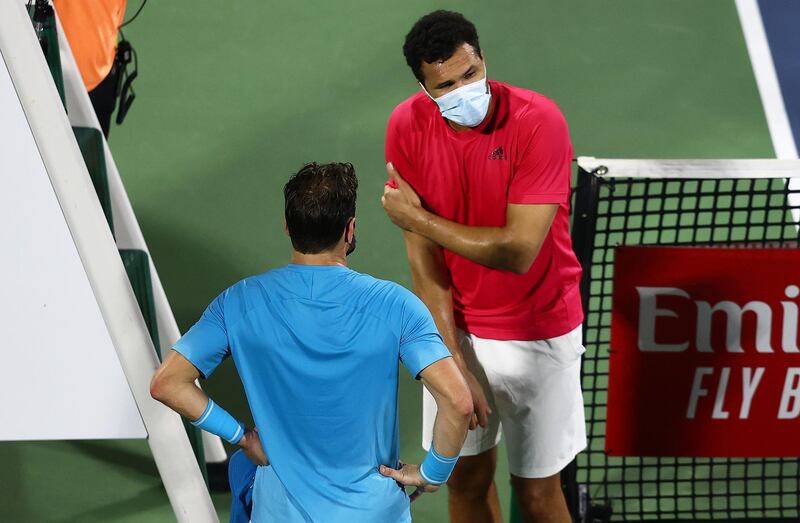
[398,140]
[543,167]
[420,341]
[205,345]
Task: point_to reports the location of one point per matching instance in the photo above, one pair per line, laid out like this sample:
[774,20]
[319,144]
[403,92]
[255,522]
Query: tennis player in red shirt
[480,184]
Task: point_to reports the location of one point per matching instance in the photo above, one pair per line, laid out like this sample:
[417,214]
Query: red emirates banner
[704,353]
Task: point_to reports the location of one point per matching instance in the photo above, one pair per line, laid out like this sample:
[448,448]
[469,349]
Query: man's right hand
[251,443]
[480,416]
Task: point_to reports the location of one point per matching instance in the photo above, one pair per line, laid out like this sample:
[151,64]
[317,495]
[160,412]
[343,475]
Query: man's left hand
[402,204]
[408,475]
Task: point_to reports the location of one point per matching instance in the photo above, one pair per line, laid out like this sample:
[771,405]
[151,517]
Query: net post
[584,219]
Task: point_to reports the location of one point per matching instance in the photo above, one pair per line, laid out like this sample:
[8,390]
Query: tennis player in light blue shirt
[317,346]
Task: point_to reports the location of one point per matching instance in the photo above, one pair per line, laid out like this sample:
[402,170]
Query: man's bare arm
[513,247]
[454,409]
[431,281]
[174,385]
[454,405]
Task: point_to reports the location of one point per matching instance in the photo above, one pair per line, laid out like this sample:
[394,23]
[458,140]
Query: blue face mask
[466,105]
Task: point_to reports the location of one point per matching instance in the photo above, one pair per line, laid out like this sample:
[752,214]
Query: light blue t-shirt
[317,349]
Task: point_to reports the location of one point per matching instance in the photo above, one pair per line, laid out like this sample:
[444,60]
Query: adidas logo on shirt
[498,154]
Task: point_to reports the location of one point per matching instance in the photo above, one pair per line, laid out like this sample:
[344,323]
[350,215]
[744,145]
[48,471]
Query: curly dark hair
[435,37]
[319,201]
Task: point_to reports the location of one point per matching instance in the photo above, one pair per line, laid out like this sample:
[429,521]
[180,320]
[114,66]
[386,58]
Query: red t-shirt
[521,155]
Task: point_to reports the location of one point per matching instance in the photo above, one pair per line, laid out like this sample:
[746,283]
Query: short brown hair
[319,201]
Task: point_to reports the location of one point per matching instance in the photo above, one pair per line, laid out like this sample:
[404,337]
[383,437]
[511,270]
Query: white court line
[771,98]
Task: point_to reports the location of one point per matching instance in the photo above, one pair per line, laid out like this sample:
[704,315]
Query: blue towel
[241,476]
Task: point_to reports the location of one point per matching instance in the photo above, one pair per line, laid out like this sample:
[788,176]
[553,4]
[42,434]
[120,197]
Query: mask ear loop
[426,91]
[486,78]
[351,246]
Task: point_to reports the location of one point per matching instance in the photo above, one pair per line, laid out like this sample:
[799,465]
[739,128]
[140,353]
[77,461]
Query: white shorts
[534,391]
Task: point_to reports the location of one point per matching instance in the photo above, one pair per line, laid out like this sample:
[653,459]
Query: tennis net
[752,203]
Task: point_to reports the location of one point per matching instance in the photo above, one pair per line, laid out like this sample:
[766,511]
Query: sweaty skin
[512,247]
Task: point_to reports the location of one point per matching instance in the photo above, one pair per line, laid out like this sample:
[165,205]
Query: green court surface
[234,97]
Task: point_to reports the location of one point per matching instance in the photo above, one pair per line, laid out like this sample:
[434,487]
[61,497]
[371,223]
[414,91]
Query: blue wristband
[436,468]
[216,420]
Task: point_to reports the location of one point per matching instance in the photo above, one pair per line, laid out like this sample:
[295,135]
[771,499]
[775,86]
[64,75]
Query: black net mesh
[616,211]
